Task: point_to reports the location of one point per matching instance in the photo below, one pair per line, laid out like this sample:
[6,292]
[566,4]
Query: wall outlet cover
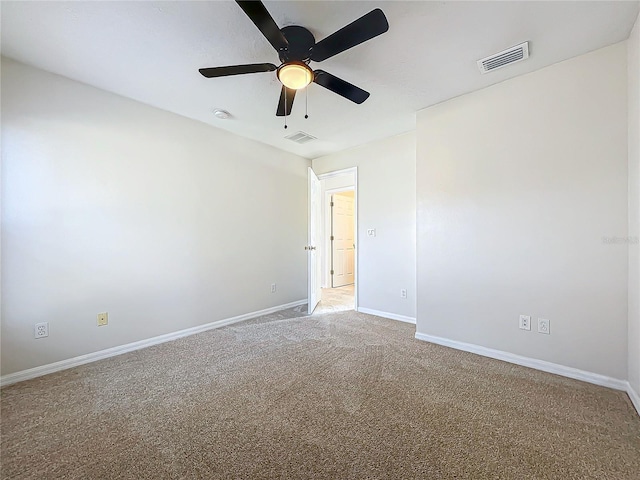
[41,330]
[371,232]
[525,322]
[544,326]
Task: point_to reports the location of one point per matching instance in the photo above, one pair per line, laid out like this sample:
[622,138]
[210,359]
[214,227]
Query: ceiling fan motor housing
[301,43]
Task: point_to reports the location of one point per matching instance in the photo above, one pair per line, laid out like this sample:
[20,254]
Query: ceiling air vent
[504,58]
[300,137]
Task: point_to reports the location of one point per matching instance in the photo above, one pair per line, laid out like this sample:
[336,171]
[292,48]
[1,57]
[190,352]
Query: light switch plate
[371,232]
[525,322]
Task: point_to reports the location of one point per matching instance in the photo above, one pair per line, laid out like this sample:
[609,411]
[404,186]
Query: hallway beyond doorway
[336,300]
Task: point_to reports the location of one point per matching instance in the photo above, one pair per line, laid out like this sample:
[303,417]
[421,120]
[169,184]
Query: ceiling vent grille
[300,137]
[504,58]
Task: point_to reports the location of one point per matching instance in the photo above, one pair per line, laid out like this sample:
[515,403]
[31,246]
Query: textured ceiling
[151,52]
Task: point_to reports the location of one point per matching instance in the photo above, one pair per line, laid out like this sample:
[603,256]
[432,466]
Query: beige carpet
[336,396]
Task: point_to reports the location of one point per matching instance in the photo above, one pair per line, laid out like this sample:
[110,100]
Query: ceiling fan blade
[288,103]
[365,28]
[237,70]
[259,15]
[339,86]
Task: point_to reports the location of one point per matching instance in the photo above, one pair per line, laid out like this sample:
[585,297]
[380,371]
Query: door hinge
[331,204]
[331,238]
[331,272]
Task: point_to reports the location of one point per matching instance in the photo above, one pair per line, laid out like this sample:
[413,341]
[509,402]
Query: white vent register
[300,137]
[504,58]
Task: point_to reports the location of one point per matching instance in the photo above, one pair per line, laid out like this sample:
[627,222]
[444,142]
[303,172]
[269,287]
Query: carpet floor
[337,396]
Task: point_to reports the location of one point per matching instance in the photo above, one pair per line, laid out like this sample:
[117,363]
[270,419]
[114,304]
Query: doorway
[337,248]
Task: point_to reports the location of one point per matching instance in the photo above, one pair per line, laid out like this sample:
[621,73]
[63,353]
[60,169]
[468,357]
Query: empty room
[320,240]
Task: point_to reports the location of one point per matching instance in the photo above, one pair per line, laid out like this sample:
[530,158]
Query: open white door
[314,268]
[343,241]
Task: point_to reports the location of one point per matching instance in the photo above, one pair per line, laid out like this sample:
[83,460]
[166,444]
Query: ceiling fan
[297,47]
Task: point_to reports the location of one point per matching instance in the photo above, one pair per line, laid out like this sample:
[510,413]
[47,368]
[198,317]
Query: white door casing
[324,241]
[313,256]
[343,240]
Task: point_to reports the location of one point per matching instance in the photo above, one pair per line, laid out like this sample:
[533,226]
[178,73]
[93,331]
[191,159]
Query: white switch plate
[525,322]
[371,232]
[403,293]
[273,288]
[544,326]
[41,330]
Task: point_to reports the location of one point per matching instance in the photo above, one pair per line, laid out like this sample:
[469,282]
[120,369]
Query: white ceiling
[151,52]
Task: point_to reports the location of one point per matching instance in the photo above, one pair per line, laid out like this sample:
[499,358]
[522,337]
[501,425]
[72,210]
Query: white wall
[633,67]
[386,202]
[112,205]
[517,185]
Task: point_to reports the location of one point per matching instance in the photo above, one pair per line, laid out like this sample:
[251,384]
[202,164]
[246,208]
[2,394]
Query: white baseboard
[392,316]
[549,367]
[634,396]
[130,347]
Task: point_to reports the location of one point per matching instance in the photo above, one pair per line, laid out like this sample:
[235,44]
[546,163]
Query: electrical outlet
[525,322]
[403,293]
[371,232]
[103,319]
[41,330]
[273,288]
[544,326]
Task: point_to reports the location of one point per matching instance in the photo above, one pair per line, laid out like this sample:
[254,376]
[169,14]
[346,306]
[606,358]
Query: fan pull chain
[306,102]
[285,108]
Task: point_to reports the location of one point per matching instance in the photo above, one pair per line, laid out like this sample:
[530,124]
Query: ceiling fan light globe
[295,75]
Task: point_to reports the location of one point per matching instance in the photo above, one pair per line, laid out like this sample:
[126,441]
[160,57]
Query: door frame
[325,247]
[315,230]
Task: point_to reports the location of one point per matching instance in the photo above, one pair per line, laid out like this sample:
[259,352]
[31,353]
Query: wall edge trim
[542,365]
[391,316]
[39,371]
[634,397]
